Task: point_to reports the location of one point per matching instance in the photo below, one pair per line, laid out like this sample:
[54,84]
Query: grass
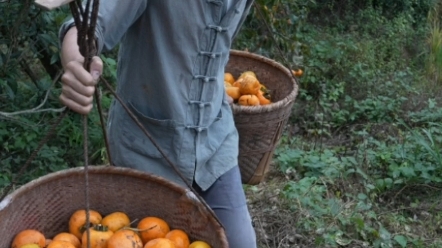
[341,214]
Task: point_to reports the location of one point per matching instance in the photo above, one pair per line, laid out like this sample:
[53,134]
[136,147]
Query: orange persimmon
[115,221]
[248,100]
[249,85]
[233,92]
[68,237]
[179,237]
[28,236]
[125,238]
[151,228]
[228,77]
[262,99]
[77,222]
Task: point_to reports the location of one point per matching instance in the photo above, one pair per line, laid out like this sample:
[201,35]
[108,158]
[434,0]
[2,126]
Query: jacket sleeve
[114,19]
[247,8]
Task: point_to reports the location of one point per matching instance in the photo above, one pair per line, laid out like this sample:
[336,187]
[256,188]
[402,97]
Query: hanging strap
[86,42]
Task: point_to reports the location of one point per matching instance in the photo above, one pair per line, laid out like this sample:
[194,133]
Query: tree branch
[38,108]
[30,73]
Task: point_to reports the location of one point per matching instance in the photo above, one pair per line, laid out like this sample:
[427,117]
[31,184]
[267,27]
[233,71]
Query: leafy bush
[29,76]
[367,127]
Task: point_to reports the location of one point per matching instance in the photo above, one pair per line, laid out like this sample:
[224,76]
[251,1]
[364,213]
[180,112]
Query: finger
[82,75]
[75,96]
[84,110]
[96,67]
[75,84]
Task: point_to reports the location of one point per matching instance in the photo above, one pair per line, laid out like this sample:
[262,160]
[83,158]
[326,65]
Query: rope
[135,119]
[103,124]
[86,38]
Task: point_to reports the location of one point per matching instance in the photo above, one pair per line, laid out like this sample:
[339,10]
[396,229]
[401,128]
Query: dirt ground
[273,221]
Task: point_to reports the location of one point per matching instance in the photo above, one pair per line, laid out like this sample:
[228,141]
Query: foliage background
[360,162]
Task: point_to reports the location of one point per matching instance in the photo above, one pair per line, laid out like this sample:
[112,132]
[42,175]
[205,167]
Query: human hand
[79,85]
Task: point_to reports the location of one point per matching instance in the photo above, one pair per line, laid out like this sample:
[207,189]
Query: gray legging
[227,199]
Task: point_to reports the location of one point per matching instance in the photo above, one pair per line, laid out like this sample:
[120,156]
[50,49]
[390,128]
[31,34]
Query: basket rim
[274,105]
[92,169]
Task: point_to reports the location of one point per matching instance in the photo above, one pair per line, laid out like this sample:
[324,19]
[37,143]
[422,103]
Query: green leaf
[401,240]
[408,172]
[362,173]
[384,233]
[54,58]
[10,92]
[359,222]
[335,208]
[388,182]
[380,183]
[362,196]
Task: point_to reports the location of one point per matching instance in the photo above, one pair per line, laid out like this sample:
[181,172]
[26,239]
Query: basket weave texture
[47,203]
[260,127]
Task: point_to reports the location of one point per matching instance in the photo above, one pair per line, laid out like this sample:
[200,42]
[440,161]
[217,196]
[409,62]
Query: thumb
[96,67]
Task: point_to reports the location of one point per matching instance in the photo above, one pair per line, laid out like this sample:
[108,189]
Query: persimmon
[68,237]
[298,72]
[125,239]
[262,99]
[233,92]
[179,237]
[115,221]
[236,84]
[48,241]
[247,73]
[249,85]
[60,244]
[151,228]
[77,221]
[228,77]
[227,84]
[248,100]
[199,244]
[160,243]
[28,236]
[30,246]
[99,237]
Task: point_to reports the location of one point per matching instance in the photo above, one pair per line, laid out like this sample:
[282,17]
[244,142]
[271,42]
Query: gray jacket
[171,74]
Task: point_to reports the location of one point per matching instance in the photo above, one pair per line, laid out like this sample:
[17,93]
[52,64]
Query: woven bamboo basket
[47,203]
[260,127]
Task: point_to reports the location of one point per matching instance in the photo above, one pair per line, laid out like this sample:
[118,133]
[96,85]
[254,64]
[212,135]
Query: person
[170,73]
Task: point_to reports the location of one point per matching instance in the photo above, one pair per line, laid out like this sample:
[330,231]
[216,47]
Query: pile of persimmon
[111,231]
[246,90]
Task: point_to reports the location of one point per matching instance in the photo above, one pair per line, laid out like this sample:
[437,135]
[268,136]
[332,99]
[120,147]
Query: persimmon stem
[138,230]
[132,222]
